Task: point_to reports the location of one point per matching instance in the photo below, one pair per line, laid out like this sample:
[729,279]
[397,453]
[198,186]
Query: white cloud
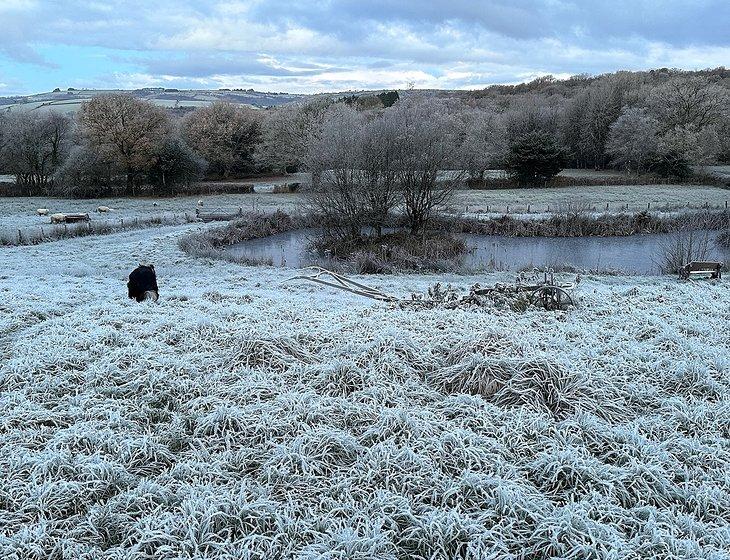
[342,44]
[18,6]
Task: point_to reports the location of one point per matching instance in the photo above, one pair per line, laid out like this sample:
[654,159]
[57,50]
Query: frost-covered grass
[243,417]
[632,198]
[20,212]
[54,232]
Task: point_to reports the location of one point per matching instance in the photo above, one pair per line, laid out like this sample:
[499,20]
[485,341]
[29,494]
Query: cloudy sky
[333,45]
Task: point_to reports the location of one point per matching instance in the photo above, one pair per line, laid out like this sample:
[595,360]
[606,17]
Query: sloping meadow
[235,423]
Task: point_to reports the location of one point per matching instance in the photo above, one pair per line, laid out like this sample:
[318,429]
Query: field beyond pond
[245,416]
[20,212]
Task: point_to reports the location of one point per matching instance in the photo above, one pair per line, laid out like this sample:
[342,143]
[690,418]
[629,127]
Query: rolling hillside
[68,101]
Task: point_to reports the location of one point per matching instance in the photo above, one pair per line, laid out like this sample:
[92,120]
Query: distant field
[70,101]
[20,212]
[637,197]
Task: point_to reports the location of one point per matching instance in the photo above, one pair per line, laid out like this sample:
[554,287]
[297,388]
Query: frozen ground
[617,197]
[20,213]
[247,418]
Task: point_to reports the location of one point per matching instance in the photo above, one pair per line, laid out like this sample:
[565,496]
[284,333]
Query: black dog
[142,283]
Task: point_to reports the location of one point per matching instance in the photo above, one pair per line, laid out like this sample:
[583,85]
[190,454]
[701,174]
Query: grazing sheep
[154,204]
[200,203]
[103,209]
[58,218]
[42,211]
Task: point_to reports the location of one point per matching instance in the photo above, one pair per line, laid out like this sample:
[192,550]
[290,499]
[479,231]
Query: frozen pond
[636,254]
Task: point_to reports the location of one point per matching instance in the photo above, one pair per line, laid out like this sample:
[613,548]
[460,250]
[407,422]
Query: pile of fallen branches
[513,297]
[500,296]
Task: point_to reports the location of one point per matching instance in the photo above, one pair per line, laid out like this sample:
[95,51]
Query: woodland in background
[660,122]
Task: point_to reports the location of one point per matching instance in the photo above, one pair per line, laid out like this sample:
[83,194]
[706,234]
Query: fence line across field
[582,207]
[70,229]
[478,211]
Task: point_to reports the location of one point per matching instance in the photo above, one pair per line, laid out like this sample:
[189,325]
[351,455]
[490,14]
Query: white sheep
[58,218]
[42,211]
[103,209]
[200,203]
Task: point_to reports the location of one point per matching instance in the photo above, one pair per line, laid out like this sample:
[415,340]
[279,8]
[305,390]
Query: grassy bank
[395,252]
[211,242]
[583,224]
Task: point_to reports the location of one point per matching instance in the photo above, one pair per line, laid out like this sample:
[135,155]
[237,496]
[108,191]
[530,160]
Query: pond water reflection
[636,254]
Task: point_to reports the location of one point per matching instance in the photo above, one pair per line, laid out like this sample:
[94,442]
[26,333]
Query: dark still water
[636,254]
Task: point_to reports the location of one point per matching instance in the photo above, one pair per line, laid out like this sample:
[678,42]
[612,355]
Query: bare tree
[605,100]
[633,139]
[688,102]
[426,136]
[85,173]
[287,133]
[127,131]
[225,135]
[335,155]
[690,242]
[34,146]
[587,118]
[379,171]
[484,143]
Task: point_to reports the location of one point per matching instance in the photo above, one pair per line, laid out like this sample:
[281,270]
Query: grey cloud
[489,40]
[674,22]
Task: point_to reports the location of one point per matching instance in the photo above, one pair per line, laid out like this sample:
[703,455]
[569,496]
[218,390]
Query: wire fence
[583,207]
[33,235]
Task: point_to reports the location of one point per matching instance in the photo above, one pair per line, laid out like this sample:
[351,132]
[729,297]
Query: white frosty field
[247,418]
[20,213]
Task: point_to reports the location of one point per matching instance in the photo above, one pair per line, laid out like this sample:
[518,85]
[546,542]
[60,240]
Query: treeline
[117,144]
[660,122]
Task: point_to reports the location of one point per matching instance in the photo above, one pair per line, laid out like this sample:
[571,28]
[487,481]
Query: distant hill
[68,101]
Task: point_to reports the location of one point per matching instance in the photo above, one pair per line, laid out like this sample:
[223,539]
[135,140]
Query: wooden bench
[218,215]
[701,269]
